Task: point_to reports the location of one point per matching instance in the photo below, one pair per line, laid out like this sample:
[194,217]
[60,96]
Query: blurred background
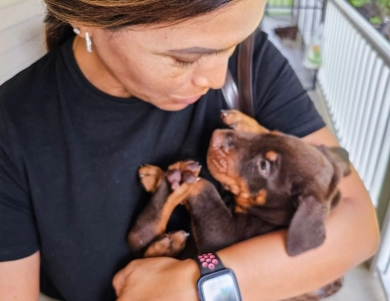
[340,51]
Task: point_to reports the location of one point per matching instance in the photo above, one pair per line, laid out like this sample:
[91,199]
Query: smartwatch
[216,283]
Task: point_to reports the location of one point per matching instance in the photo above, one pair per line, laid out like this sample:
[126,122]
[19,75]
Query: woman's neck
[96,72]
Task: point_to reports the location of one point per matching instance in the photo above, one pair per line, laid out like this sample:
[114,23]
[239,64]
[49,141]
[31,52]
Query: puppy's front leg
[240,122]
[170,189]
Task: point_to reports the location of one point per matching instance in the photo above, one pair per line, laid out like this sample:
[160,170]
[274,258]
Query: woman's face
[173,66]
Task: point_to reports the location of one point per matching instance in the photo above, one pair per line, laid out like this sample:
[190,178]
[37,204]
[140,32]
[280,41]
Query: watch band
[209,263]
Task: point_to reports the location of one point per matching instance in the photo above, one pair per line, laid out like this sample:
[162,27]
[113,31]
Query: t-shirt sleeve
[280,102]
[18,234]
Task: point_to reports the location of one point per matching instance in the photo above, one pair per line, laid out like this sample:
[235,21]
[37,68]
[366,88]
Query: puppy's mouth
[220,157]
[217,164]
[217,156]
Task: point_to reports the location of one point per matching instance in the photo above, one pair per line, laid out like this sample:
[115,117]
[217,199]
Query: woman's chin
[171,106]
[175,107]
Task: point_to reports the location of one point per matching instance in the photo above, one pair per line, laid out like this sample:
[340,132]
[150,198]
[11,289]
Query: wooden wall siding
[21,36]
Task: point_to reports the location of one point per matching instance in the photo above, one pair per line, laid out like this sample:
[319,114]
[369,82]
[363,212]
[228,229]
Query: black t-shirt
[69,156]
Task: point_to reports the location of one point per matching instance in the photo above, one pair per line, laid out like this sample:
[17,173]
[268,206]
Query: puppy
[278,181]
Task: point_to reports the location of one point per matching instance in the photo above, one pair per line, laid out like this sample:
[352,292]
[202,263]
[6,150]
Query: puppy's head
[281,179]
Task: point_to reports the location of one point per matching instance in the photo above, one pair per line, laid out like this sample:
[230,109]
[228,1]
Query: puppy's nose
[217,138]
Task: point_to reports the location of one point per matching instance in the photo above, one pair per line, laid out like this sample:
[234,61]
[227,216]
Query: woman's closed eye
[182,63]
[188,63]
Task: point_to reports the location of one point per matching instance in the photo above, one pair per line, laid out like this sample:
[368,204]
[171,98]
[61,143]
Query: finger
[118,284]
[119,280]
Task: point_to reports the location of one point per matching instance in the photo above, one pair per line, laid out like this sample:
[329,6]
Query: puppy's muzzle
[222,139]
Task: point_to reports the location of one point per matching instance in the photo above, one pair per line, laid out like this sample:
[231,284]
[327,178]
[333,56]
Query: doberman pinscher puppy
[277,180]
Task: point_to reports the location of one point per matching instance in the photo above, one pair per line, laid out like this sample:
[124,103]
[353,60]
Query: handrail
[377,41]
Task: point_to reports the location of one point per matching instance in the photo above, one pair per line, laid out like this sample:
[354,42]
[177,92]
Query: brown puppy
[278,181]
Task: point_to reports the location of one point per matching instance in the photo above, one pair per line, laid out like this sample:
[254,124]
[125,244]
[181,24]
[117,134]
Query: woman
[139,83]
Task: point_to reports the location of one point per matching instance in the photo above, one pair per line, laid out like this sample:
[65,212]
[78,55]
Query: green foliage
[384,5]
[279,7]
[360,3]
[281,3]
[376,20]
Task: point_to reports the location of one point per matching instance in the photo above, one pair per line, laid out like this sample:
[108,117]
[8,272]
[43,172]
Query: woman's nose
[212,78]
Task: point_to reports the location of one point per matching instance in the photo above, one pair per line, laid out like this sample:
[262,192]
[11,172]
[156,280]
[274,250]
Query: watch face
[219,286]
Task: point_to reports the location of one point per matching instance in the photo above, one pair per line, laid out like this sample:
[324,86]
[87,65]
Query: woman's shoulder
[25,96]
[30,83]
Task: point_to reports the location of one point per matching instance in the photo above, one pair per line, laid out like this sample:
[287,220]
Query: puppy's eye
[264,167]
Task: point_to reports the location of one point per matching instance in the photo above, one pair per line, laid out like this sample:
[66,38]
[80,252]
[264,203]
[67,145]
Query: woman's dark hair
[116,14]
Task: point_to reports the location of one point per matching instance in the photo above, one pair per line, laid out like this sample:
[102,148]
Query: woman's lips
[189,100]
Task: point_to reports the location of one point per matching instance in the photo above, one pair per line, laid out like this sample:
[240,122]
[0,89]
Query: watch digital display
[219,286]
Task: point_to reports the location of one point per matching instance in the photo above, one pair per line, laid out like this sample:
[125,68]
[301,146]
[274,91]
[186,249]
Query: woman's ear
[81,30]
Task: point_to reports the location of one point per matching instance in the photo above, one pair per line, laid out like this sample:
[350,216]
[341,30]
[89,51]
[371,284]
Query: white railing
[308,14]
[305,14]
[355,83]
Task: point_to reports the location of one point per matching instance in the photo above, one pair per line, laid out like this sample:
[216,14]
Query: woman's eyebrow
[196,50]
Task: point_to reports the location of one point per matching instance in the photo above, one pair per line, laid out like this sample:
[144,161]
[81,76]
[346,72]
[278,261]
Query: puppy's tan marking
[261,197]
[271,156]
[150,177]
[169,244]
[240,210]
[241,122]
[174,199]
[274,133]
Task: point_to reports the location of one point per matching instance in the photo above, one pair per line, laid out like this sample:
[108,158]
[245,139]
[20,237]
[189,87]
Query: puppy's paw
[182,172]
[169,244]
[241,122]
[182,177]
[151,177]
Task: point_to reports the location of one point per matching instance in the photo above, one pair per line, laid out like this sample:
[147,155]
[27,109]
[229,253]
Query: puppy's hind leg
[151,177]
[150,223]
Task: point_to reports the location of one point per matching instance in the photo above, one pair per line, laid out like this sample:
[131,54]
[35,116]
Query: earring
[76,30]
[88,42]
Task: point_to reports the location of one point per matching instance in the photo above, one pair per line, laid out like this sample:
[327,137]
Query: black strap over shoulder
[241,98]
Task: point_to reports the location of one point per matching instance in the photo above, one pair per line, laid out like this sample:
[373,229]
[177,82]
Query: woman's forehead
[221,29]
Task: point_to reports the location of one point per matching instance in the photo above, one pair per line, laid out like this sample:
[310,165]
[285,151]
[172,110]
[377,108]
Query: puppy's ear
[307,229]
[339,156]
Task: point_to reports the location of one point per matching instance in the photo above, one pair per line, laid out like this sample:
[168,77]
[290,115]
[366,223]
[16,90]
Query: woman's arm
[19,279]
[264,270]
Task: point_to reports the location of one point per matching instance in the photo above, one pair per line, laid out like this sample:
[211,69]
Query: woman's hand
[159,278]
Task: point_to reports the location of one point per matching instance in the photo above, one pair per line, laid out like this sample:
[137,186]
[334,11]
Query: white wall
[21,35]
